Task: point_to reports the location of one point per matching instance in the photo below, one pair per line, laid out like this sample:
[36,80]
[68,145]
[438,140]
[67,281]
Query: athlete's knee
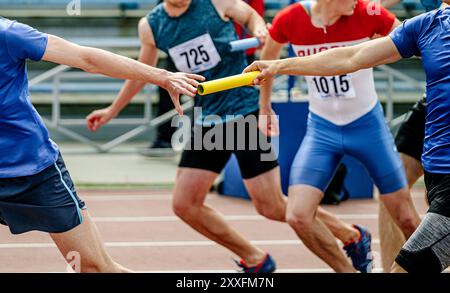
[408,224]
[299,220]
[407,220]
[271,210]
[402,210]
[183,208]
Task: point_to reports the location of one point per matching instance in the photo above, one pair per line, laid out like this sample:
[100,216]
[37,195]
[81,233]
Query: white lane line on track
[136,197]
[229,218]
[160,244]
[168,196]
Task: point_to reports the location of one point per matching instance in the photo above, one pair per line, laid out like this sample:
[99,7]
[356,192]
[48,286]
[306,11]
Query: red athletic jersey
[293,25]
[339,99]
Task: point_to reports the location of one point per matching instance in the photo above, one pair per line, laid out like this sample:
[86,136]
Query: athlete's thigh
[192,186]
[372,143]
[83,241]
[316,160]
[413,168]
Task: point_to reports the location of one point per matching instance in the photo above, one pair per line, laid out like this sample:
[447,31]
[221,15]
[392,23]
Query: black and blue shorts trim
[46,201]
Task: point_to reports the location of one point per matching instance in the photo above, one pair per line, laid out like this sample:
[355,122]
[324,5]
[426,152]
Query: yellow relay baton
[227,83]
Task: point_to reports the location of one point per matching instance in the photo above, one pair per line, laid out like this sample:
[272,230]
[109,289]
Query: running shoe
[266,266]
[360,252]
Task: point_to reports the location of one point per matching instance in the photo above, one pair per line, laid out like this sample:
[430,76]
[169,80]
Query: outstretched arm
[245,16]
[136,73]
[94,60]
[332,62]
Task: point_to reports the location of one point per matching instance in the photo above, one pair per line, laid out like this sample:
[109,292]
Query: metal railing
[391,75]
[60,73]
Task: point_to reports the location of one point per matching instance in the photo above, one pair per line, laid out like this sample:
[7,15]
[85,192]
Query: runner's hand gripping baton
[227,83]
[242,45]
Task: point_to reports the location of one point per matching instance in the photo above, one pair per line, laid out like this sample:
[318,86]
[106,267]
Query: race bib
[196,55]
[331,87]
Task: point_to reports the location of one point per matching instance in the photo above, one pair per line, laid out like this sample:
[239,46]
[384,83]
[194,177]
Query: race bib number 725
[196,55]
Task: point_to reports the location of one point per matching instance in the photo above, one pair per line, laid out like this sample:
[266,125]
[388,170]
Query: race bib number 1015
[325,87]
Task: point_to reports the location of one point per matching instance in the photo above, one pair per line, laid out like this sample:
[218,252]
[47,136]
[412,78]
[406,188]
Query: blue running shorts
[367,139]
[46,201]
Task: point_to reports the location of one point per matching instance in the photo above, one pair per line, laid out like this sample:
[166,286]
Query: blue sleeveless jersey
[202,18]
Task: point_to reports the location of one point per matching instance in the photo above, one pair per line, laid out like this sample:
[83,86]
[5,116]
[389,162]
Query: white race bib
[331,87]
[196,55]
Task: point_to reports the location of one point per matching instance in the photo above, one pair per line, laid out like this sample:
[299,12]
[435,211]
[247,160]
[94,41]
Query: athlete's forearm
[256,24]
[342,60]
[103,62]
[244,15]
[268,53]
[332,62]
[100,61]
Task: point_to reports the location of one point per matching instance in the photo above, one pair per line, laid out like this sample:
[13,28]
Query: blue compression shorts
[367,139]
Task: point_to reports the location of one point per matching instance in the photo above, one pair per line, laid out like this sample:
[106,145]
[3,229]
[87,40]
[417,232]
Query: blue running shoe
[360,252]
[266,266]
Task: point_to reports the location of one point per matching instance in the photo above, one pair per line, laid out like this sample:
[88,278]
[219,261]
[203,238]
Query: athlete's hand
[182,84]
[98,118]
[268,122]
[268,70]
[261,33]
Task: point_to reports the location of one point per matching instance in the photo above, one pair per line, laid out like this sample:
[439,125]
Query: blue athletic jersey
[25,146]
[176,36]
[428,36]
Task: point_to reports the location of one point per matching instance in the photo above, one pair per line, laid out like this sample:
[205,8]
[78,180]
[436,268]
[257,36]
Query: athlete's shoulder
[155,17]
[156,12]
[290,15]
[421,23]
[365,8]
[376,19]
[14,29]
[294,9]
[5,24]
[428,17]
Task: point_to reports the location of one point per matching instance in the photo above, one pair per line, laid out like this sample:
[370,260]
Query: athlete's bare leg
[391,237]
